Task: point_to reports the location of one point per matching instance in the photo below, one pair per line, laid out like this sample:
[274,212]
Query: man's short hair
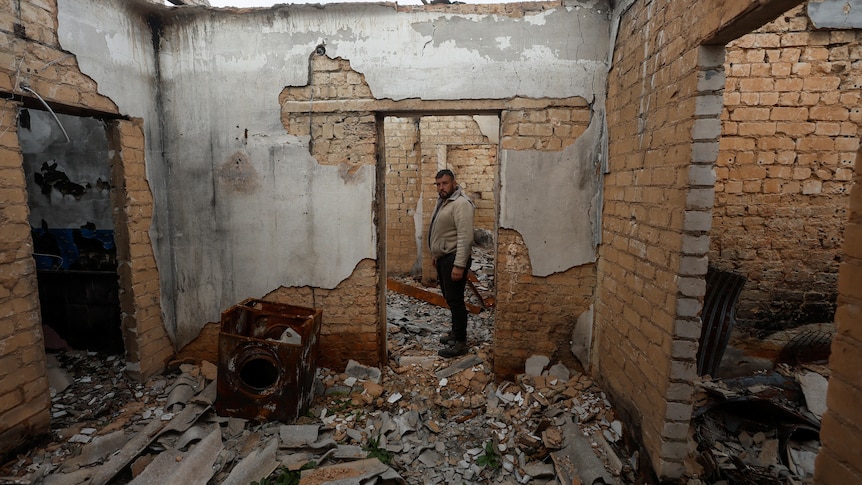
[444,172]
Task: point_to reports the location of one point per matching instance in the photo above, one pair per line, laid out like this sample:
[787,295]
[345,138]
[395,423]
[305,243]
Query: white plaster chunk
[814,389]
[582,336]
[535,365]
[559,371]
[489,126]
[363,372]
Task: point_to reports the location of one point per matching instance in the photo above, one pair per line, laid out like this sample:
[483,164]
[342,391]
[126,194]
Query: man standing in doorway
[450,239]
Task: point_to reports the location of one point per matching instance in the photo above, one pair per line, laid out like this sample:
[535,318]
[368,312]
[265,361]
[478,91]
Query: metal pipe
[27,88]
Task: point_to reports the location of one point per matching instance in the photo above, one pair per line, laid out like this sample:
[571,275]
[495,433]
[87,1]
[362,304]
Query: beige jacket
[451,228]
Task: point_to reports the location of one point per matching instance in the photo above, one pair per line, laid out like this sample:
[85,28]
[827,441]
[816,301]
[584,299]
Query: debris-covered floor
[427,419]
[420,420]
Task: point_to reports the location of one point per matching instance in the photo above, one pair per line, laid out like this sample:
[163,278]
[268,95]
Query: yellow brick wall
[841,431]
[789,137]
[535,315]
[31,58]
[148,347]
[403,192]
[549,129]
[456,143]
[351,327]
[453,142]
[348,137]
[38,62]
[656,218]
[476,169]
[24,398]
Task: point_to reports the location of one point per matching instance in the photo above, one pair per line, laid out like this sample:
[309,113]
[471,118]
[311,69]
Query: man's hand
[457,273]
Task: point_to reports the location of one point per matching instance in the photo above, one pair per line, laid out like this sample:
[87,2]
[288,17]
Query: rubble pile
[762,428]
[421,419]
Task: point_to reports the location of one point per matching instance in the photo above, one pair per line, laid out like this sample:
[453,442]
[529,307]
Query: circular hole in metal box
[258,370]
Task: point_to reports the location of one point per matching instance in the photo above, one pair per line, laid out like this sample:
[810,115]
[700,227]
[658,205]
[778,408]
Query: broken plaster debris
[421,419]
[760,428]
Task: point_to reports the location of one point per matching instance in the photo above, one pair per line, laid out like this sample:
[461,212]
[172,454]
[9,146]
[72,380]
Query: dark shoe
[447,339]
[454,350]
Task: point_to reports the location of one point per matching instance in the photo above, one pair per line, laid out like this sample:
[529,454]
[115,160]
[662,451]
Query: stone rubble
[419,420]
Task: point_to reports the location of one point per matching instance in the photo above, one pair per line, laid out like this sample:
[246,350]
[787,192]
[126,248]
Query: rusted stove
[267,360]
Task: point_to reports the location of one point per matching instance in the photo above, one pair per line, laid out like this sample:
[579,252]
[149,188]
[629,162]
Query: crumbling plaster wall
[243,206]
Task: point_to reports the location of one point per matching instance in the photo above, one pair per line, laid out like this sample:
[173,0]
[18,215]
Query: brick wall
[33,59]
[789,136]
[663,114]
[549,129]
[30,56]
[474,167]
[24,398]
[415,149]
[351,327]
[403,192]
[148,347]
[348,137]
[535,315]
[352,324]
[841,431]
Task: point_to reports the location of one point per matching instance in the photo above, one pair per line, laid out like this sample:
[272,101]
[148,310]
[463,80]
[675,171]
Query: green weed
[489,458]
[375,451]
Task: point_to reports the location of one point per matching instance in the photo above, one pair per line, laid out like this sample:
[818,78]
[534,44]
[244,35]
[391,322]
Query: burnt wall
[783,174]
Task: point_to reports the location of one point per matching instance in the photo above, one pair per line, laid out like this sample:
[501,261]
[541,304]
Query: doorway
[67,170]
[416,147]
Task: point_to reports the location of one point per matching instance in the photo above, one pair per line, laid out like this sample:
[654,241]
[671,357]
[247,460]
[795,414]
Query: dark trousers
[453,292]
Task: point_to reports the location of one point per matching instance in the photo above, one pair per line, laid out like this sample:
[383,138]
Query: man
[450,239]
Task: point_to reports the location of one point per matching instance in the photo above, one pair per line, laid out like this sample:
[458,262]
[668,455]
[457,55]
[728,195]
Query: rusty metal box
[267,360]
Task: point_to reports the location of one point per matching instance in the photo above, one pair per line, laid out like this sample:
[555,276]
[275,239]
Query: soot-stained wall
[242,208]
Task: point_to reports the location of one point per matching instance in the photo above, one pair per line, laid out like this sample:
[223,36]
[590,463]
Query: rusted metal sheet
[425,295]
[267,360]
